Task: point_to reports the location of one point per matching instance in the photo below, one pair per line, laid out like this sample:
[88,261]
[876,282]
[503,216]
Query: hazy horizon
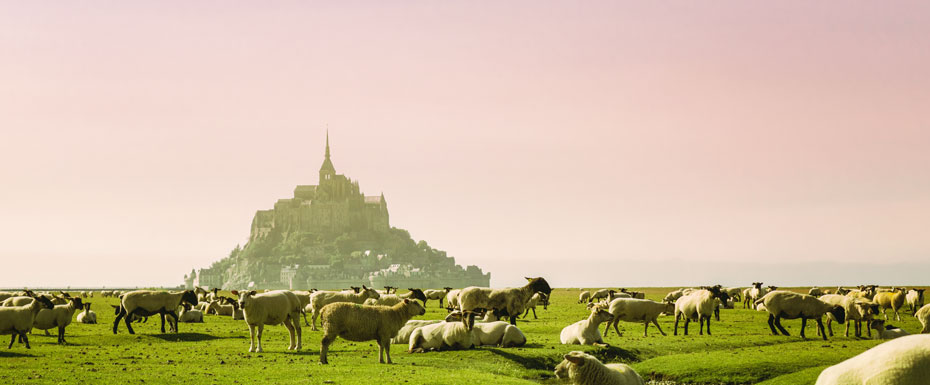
[594,144]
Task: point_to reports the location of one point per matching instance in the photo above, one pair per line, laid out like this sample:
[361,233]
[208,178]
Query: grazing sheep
[393,299]
[271,308]
[322,298]
[18,320]
[536,299]
[585,296]
[891,300]
[674,295]
[886,332]
[584,369]
[901,361]
[698,306]
[190,315]
[509,300]
[147,303]
[735,293]
[923,315]
[785,304]
[602,294]
[915,298]
[452,299]
[585,332]
[87,316]
[637,310]
[403,335]
[365,323]
[857,311]
[58,317]
[441,336]
[434,294]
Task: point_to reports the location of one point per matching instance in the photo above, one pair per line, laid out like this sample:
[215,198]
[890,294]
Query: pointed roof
[327,164]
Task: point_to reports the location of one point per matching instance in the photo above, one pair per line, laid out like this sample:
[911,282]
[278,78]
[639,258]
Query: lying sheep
[498,333]
[190,315]
[441,336]
[18,320]
[584,369]
[58,317]
[322,298]
[585,332]
[434,294]
[886,332]
[901,361]
[785,304]
[698,306]
[365,323]
[891,300]
[393,299]
[637,310]
[509,300]
[923,315]
[403,335]
[584,297]
[489,316]
[87,316]
[147,303]
[271,308]
[536,299]
[915,298]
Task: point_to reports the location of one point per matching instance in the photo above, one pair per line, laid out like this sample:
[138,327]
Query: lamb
[510,300]
[585,332]
[17,320]
[441,336]
[364,323]
[59,316]
[190,315]
[698,306]
[886,332]
[393,299]
[753,294]
[436,295]
[403,335]
[322,298]
[452,299]
[785,304]
[584,369]
[271,308]
[585,296]
[637,310]
[915,298]
[923,315]
[538,298]
[87,316]
[901,361]
[147,302]
[219,308]
[857,310]
[601,294]
[893,300]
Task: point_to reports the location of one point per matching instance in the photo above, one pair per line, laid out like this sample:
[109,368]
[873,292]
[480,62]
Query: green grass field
[741,351]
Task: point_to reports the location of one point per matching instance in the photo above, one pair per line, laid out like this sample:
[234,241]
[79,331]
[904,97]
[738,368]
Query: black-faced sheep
[509,300]
[356,322]
[18,320]
[146,303]
[698,305]
[584,369]
[58,317]
[536,299]
[915,299]
[437,295]
[393,299]
[789,305]
[584,297]
[322,298]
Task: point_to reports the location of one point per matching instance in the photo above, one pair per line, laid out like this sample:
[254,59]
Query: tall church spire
[327,143]
[327,170]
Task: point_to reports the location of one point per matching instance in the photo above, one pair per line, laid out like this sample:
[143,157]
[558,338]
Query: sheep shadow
[4,354]
[537,363]
[185,337]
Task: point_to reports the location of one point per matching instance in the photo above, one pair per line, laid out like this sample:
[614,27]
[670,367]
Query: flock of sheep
[364,314]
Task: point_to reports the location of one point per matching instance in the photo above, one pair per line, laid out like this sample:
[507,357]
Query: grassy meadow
[741,351]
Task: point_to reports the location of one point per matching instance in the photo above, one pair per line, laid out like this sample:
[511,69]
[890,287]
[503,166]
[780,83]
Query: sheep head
[414,307]
[417,294]
[839,314]
[370,293]
[539,284]
[190,297]
[245,297]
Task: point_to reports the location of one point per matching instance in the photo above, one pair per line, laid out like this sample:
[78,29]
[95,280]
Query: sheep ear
[528,278]
[574,359]
[363,287]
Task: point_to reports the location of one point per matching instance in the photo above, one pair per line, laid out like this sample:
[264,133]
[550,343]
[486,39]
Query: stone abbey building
[330,236]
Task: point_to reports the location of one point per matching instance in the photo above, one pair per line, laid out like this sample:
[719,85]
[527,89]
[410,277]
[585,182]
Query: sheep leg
[526,313]
[386,344]
[304,312]
[513,321]
[656,322]
[261,328]
[324,347]
[12,340]
[173,324]
[290,332]
[646,329]
[804,326]
[296,321]
[820,327]
[896,316]
[161,315]
[251,338]
[440,303]
[708,325]
[128,321]
[61,335]
[772,325]
[313,321]
[676,324]
[25,340]
[781,328]
[687,321]
[116,323]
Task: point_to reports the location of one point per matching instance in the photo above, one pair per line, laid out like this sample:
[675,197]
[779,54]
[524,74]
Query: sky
[599,143]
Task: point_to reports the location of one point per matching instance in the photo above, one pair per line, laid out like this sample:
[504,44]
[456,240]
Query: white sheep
[891,300]
[271,308]
[536,299]
[901,361]
[190,315]
[452,299]
[753,294]
[509,300]
[698,306]
[637,310]
[58,317]
[585,332]
[815,292]
[584,297]
[923,315]
[441,336]
[498,333]
[365,323]
[915,298]
[435,294]
[886,332]
[393,299]
[489,316]
[857,311]
[87,316]
[602,294]
[403,335]
[18,320]
[322,298]
[584,369]
[789,305]
[147,303]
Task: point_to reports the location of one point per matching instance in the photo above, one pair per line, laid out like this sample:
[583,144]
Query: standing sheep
[602,294]
[146,303]
[891,300]
[753,294]
[637,310]
[18,320]
[901,361]
[271,308]
[585,332]
[393,299]
[365,323]
[584,369]
[434,294]
[915,298]
[322,298]
[452,299]
[785,304]
[923,315]
[536,299]
[584,297]
[857,311]
[698,306]
[510,300]
[58,317]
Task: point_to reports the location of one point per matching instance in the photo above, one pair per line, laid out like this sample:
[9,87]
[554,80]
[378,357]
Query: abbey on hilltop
[332,236]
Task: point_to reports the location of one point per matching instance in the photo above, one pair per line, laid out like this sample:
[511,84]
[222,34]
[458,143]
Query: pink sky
[139,139]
